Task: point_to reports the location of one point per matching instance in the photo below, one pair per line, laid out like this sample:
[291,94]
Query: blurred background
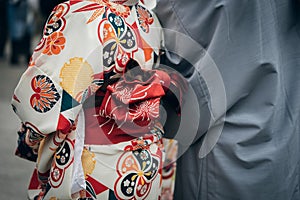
[21,27]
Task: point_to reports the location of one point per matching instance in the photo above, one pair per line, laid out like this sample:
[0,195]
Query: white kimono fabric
[86,43]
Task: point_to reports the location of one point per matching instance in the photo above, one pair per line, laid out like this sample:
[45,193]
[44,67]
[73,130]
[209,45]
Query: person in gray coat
[253,91]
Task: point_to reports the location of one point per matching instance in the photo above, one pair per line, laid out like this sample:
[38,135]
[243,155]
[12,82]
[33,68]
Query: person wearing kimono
[90,104]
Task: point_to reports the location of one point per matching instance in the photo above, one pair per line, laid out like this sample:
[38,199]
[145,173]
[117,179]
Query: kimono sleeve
[40,102]
[49,94]
[61,72]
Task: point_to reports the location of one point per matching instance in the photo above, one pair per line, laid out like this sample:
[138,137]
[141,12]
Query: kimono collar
[125,2]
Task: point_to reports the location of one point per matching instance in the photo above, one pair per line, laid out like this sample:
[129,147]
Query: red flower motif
[55,44]
[58,13]
[45,96]
[145,18]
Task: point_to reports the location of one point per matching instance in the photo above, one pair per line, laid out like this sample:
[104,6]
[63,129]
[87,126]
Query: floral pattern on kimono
[85,45]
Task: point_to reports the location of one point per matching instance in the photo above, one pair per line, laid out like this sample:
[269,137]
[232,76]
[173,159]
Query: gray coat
[254,48]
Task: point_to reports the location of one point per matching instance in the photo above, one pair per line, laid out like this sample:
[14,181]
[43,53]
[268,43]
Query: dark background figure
[3,27]
[255,46]
[20,30]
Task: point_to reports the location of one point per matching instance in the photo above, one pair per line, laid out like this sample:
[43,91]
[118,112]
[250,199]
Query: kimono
[90,103]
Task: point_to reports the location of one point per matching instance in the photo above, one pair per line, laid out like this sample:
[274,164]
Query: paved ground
[14,172]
